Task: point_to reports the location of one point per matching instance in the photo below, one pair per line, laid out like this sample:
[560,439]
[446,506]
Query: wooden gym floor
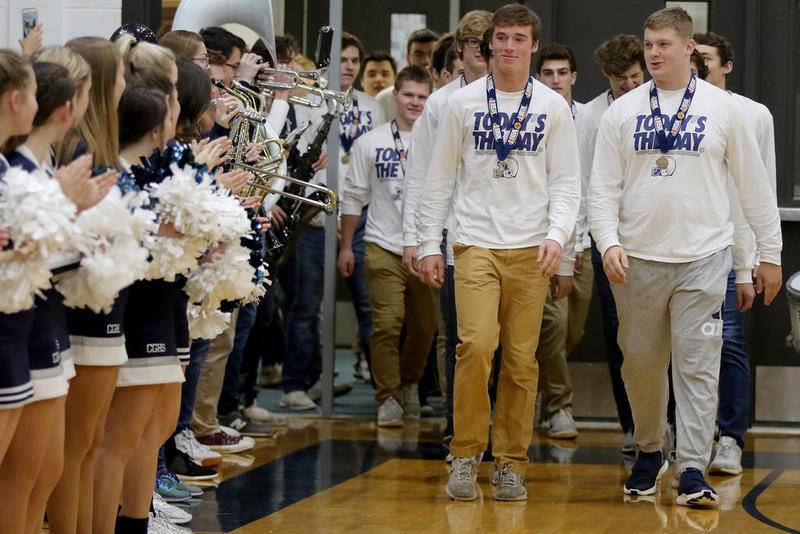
[346,476]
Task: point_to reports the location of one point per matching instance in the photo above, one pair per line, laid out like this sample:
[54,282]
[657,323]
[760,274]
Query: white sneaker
[562,426]
[173,514]
[159,524]
[262,415]
[390,413]
[297,400]
[727,458]
[186,442]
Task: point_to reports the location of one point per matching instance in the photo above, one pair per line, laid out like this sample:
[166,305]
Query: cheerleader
[17,110]
[97,339]
[36,454]
[145,406]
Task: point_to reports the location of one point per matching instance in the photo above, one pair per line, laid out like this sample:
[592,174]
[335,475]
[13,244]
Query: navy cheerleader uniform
[16,388]
[98,338]
[151,321]
[48,341]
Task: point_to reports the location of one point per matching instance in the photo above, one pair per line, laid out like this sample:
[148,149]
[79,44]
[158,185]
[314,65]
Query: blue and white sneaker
[646,472]
[193,490]
[694,491]
[169,491]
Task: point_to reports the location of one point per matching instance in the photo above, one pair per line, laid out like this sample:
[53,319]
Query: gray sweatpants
[677,308]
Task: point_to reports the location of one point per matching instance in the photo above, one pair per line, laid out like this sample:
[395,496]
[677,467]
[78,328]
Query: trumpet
[322,95]
[296,75]
[269,170]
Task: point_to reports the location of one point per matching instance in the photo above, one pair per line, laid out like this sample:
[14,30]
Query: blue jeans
[231,386]
[197,357]
[357,283]
[613,352]
[302,323]
[734,372]
[448,301]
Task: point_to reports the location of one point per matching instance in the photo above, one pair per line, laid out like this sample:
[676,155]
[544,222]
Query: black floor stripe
[749,502]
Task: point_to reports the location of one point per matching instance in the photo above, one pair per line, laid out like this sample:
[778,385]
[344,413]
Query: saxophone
[299,214]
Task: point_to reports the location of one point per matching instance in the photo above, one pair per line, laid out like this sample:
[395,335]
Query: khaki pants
[397,296]
[562,328]
[499,298]
[209,387]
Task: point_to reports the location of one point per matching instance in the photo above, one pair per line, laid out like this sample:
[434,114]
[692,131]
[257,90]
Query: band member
[515,207]
[563,319]
[734,375]
[397,296]
[621,60]
[468,37]
[658,208]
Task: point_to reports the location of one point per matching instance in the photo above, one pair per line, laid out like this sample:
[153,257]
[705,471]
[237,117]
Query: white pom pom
[226,276]
[207,325]
[40,220]
[109,240]
[204,216]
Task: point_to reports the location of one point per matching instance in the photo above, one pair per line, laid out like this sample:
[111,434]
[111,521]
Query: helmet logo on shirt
[665,166]
[508,168]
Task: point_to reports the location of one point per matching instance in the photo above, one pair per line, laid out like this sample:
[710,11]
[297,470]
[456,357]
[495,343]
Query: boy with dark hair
[515,207]
[419,48]
[659,209]
[379,73]
[375,177]
[734,375]
[563,318]
[621,60]
[443,45]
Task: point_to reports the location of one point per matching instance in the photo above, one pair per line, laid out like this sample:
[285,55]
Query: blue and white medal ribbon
[398,146]
[504,149]
[666,142]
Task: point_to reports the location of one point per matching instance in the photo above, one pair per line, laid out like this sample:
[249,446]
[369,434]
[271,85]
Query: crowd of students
[471,235]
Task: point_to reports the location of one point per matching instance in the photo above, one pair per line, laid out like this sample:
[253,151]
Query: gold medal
[346,159]
[680,115]
[517,125]
[662,162]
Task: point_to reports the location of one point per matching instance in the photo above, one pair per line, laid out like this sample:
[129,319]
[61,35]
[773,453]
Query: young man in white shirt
[468,38]
[515,205]
[375,177]
[563,318]
[302,326]
[621,60]
[734,376]
[419,52]
[658,208]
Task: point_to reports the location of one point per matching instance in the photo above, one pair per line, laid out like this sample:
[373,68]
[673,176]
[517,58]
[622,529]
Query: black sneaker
[645,474]
[694,491]
[183,466]
[246,426]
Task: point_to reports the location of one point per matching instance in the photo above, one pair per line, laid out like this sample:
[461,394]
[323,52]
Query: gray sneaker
[727,457]
[462,484]
[390,413]
[562,426]
[510,485]
[411,406]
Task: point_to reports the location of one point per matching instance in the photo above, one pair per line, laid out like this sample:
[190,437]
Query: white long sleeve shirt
[423,137]
[745,254]
[679,213]
[532,195]
[590,116]
[375,177]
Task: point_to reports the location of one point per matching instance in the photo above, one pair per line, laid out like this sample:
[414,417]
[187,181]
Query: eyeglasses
[472,42]
[201,61]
